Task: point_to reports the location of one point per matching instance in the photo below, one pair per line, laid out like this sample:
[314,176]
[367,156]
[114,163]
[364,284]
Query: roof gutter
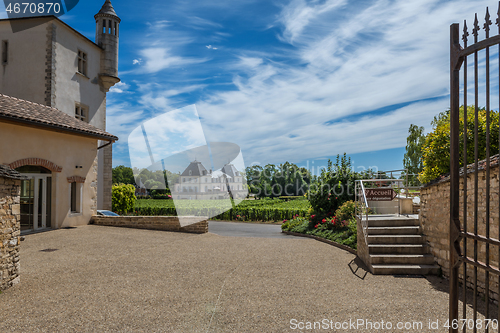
[31,123]
[105,145]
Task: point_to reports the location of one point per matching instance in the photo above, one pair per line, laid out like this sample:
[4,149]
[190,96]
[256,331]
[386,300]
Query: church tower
[107,35]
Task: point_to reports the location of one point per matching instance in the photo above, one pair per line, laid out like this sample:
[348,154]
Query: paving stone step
[405,269]
[398,248]
[392,259]
[394,222]
[405,230]
[396,239]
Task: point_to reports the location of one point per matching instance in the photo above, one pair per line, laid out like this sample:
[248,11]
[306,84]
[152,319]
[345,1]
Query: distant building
[198,183]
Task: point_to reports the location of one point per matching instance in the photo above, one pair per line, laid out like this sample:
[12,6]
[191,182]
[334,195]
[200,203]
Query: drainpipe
[105,145]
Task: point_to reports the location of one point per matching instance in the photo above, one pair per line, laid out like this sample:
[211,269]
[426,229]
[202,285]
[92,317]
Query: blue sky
[285,80]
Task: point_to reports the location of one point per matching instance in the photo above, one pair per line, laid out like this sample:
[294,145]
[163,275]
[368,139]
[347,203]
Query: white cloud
[381,55]
[119,88]
[210,47]
[136,61]
[342,60]
[160,58]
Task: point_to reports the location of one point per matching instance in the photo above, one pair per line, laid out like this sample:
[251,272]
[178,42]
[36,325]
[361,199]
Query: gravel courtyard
[117,279]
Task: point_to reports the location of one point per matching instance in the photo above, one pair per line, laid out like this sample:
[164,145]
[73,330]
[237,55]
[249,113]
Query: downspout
[105,145]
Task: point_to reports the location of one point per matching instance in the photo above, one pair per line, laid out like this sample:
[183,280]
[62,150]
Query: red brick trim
[35,161]
[76,179]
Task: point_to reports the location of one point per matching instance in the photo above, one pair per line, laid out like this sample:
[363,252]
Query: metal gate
[474,227]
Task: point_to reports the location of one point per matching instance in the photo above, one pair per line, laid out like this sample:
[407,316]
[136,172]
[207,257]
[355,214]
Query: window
[190,172]
[75,197]
[81,112]
[82,62]
[5,52]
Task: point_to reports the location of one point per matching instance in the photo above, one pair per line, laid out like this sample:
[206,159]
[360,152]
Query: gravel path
[117,279]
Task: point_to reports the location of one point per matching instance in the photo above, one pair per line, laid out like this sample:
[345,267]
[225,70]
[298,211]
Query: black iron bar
[487,24]
[476,103]
[477,263]
[480,46]
[454,226]
[498,290]
[480,238]
[464,303]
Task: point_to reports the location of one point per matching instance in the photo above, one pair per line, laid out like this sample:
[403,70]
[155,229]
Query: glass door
[27,202]
[35,202]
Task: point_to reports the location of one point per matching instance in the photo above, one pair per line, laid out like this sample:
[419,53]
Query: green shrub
[436,148]
[347,211]
[123,198]
[335,186]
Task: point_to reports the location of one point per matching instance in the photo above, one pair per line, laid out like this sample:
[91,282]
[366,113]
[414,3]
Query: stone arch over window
[36,161]
[76,179]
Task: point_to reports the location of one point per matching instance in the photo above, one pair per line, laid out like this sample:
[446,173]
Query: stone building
[10,185]
[53,87]
[198,183]
[46,61]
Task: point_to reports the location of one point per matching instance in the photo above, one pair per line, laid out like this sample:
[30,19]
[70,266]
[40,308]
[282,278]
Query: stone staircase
[396,246]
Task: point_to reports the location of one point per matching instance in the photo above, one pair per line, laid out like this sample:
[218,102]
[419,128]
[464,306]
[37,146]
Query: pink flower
[316,225]
[323,221]
[313,216]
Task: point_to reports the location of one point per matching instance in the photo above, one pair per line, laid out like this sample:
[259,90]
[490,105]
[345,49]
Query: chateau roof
[107,9]
[27,113]
[196,168]
[230,170]
[7,172]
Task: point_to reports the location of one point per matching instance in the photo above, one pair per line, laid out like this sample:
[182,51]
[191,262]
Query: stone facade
[435,221]
[10,231]
[362,246]
[50,71]
[166,223]
[107,174]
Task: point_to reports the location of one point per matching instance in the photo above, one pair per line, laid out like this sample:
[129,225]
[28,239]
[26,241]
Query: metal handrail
[364,222]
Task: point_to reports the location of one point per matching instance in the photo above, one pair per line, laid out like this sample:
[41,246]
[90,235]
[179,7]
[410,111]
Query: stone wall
[435,221]
[166,223]
[10,231]
[107,177]
[362,246]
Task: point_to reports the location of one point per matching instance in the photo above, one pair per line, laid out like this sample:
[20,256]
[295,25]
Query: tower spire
[107,35]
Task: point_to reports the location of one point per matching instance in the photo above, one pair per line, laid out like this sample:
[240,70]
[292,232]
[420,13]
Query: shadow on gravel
[358,268]
[443,285]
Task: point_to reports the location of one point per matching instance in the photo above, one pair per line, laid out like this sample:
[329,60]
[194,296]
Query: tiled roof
[481,165]
[7,172]
[38,115]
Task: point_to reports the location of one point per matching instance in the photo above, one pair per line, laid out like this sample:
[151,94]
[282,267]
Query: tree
[336,186]
[413,157]
[123,175]
[436,148]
